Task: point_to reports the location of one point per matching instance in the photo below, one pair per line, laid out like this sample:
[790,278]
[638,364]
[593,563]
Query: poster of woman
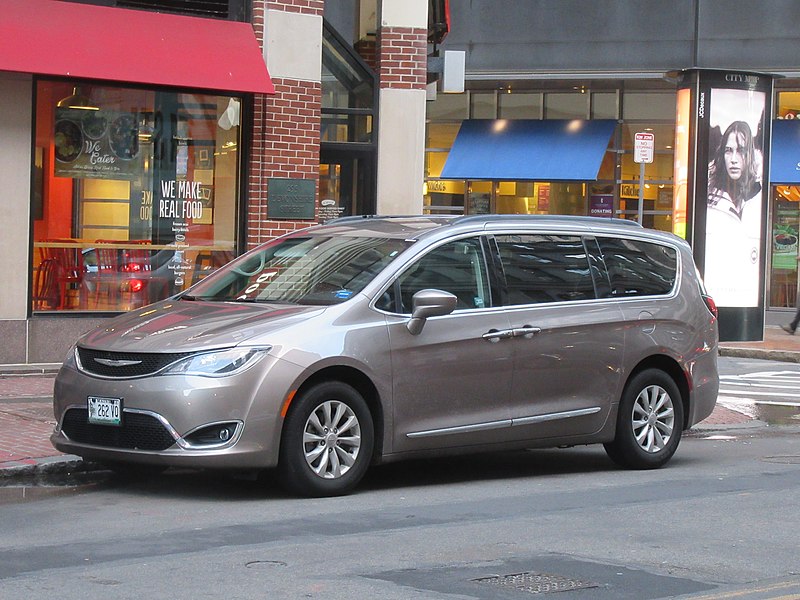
[733,215]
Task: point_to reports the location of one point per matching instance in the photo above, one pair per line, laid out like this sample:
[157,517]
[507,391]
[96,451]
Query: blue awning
[785,155]
[513,150]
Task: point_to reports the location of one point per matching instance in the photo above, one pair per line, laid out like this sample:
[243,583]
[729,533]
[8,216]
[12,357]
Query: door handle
[495,335]
[526,331]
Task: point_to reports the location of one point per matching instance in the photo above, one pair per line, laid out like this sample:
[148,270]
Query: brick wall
[286,133]
[402,58]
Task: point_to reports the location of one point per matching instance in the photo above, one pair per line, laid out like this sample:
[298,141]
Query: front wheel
[649,423]
[327,441]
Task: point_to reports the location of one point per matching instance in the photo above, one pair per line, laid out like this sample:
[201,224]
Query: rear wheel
[327,441]
[649,423]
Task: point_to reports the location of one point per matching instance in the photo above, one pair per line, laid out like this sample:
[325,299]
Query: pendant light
[77,100]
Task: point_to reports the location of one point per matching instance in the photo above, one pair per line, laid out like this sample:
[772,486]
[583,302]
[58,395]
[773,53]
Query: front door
[451,381]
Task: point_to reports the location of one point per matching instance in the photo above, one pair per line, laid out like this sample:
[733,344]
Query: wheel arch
[671,367]
[359,381]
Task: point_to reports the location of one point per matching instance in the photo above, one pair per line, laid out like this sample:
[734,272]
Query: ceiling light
[76,100]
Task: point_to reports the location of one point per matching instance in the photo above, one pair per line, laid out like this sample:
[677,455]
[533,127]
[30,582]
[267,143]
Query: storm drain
[536,583]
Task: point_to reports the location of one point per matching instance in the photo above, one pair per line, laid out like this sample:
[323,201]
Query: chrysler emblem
[111,362]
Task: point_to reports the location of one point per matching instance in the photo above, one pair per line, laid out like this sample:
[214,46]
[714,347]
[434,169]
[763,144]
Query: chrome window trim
[478,234]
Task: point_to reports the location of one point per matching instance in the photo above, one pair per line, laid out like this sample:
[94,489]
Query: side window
[638,268]
[457,267]
[545,268]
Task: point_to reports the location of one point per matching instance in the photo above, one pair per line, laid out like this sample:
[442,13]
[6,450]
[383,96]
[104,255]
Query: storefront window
[604,105]
[136,194]
[566,106]
[519,106]
[785,231]
[615,191]
[658,176]
[483,105]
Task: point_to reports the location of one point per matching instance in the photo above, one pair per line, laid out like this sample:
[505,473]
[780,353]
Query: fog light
[212,435]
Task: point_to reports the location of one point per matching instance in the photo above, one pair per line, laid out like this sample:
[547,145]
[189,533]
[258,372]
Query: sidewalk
[26,411]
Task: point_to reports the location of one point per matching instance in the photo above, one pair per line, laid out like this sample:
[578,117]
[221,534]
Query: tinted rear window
[638,268]
[545,268]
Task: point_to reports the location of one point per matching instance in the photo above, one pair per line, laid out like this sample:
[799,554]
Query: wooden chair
[46,287]
[71,274]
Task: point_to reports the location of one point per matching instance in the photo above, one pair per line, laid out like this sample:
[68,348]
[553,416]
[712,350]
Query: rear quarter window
[639,268]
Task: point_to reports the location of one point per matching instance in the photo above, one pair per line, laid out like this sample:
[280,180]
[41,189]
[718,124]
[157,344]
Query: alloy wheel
[653,418]
[331,439]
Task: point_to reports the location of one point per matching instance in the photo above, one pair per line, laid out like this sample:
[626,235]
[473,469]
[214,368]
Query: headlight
[219,363]
[72,359]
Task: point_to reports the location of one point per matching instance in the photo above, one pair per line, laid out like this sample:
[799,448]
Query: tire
[317,456]
[649,422]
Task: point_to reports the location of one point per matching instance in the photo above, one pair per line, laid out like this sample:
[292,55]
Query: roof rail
[453,220]
[354,218]
[580,219]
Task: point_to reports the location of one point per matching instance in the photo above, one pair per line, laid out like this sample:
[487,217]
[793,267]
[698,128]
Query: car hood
[182,326]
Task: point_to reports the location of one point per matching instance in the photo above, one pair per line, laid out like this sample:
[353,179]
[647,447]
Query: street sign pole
[641,193]
[643,150]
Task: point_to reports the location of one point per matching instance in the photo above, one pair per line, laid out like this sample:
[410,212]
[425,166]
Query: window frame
[487,262]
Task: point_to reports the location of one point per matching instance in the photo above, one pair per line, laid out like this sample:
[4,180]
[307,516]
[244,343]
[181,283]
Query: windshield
[301,270]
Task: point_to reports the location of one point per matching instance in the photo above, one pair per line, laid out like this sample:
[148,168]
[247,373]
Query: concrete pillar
[402,62]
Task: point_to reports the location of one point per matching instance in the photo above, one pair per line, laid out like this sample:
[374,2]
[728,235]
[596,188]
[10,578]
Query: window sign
[96,144]
[139,194]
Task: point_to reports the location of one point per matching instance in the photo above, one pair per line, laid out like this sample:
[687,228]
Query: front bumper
[161,414]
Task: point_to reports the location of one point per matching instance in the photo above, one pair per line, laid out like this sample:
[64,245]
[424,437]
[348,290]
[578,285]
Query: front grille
[137,432]
[146,363]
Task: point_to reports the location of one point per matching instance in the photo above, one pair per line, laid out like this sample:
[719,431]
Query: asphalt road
[719,522]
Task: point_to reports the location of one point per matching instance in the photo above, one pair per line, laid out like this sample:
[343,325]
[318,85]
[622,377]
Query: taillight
[711,306]
[132,286]
[131,268]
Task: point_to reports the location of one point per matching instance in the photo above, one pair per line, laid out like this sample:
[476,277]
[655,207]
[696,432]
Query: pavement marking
[756,592]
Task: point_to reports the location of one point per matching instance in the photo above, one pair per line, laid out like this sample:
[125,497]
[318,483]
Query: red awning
[49,37]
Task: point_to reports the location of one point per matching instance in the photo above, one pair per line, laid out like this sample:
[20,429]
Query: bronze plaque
[290,198]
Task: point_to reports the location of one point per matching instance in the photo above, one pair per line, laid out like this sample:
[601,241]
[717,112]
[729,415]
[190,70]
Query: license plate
[105,411]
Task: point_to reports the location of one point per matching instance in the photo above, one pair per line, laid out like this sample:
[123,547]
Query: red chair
[46,287]
[71,273]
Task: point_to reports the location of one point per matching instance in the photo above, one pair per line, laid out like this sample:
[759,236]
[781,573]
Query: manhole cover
[536,583]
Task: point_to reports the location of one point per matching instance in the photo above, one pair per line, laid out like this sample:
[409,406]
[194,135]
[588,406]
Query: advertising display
[735,196]
[725,218]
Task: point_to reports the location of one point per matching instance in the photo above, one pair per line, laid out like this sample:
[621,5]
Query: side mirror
[429,303]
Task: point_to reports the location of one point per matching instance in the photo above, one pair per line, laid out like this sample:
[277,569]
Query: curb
[778,355]
[46,469]
[703,428]
[24,370]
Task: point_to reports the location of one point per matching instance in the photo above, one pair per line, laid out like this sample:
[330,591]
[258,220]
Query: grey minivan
[369,340]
